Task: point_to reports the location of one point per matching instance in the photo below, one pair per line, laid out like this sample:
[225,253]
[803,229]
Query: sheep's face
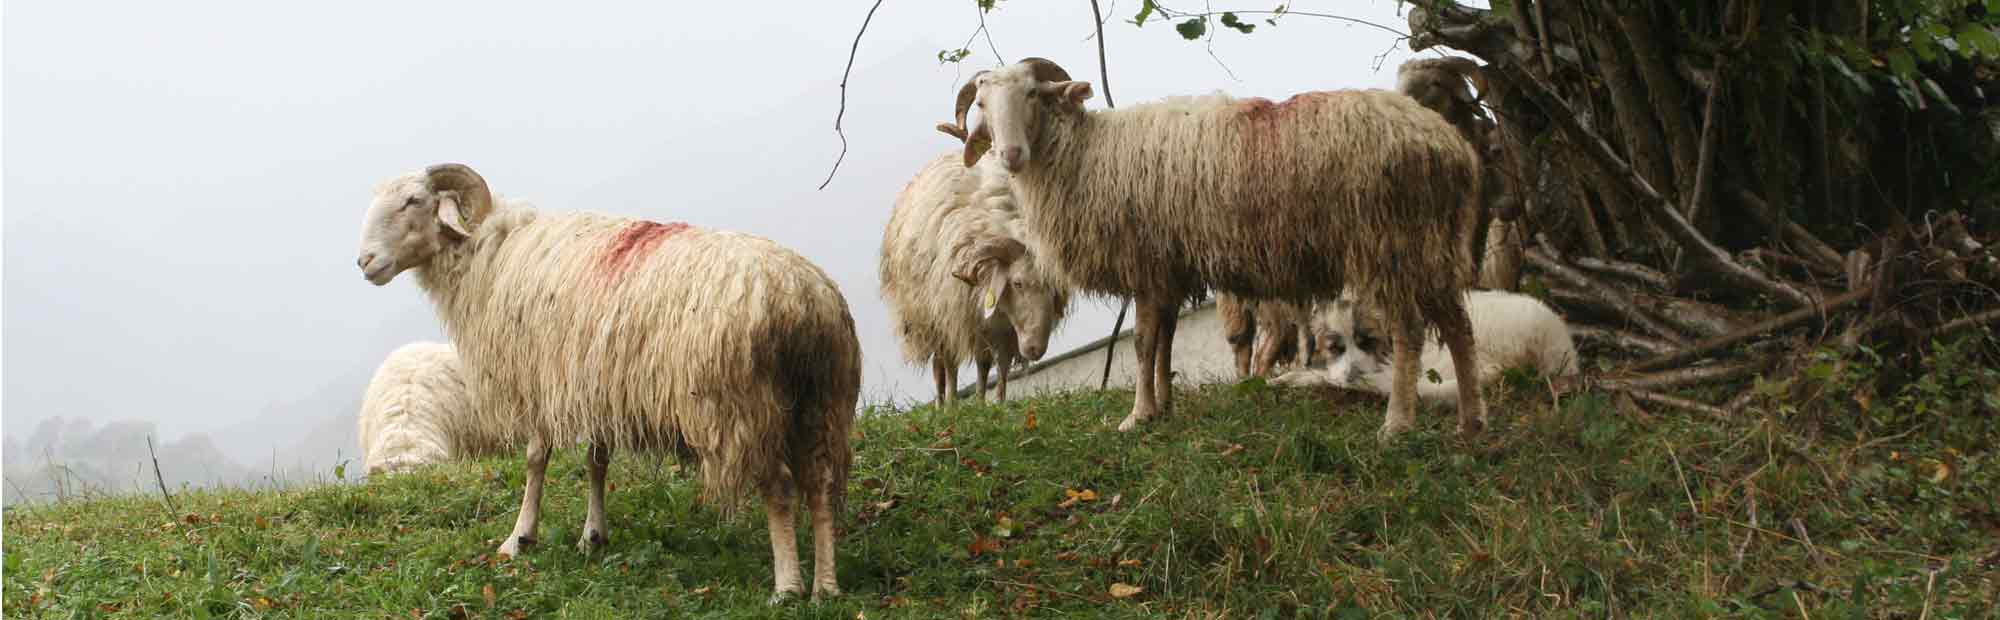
[1013,108]
[406,225]
[1353,345]
[1032,307]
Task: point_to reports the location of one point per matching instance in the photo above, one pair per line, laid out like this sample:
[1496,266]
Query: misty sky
[184,181]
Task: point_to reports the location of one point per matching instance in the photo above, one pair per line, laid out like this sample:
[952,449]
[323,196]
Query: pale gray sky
[184,181]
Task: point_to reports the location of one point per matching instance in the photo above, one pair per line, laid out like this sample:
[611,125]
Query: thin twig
[172,510]
[997,58]
[1785,321]
[1046,590]
[1104,76]
[837,116]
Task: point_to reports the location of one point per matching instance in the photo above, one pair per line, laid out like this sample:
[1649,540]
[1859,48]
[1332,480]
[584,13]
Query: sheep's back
[414,408]
[1286,200]
[648,334]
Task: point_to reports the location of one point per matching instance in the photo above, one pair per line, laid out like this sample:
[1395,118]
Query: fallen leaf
[1232,449]
[1120,590]
[192,519]
[457,612]
[703,591]
[982,544]
[517,615]
[1023,563]
[1942,472]
[1128,563]
[1066,556]
[263,523]
[488,594]
[1029,424]
[881,506]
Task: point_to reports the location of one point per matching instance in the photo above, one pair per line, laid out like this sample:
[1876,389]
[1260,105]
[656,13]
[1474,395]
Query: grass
[1251,502]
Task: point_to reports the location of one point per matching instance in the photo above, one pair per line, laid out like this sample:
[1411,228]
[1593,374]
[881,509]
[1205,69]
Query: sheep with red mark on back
[1290,200]
[636,335]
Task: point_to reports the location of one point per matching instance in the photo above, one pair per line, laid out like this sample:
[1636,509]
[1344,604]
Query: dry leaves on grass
[1075,496]
[1122,590]
[982,544]
[488,595]
[1030,423]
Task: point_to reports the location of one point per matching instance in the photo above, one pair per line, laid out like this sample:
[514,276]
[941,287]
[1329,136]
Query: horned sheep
[416,411]
[1290,200]
[959,282]
[636,335]
[1513,331]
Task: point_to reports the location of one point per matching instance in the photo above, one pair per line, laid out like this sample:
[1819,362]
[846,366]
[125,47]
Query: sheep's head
[1351,339]
[414,216]
[1014,104]
[1002,279]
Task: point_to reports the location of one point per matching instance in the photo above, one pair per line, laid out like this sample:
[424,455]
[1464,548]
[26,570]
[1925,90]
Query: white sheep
[1290,200]
[1513,330]
[416,411]
[636,335]
[959,282]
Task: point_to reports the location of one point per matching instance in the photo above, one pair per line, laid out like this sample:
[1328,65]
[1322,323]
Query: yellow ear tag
[988,300]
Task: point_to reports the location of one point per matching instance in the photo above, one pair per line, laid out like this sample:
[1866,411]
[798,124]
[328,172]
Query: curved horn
[1046,70]
[470,188]
[965,95]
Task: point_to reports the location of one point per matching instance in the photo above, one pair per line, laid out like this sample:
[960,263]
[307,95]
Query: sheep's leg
[1145,331]
[531,499]
[1163,357]
[784,546]
[1000,391]
[1406,341]
[951,381]
[1267,353]
[937,378]
[1242,359]
[983,364]
[593,522]
[1455,329]
[825,582]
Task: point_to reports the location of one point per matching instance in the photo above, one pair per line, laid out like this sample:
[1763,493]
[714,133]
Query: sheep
[1264,335]
[1288,200]
[636,335]
[958,280]
[416,411]
[1513,330]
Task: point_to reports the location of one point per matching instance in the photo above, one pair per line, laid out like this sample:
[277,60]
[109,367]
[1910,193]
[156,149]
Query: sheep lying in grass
[1290,200]
[416,411]
[1513,330]
[959,282]
[1265,335]
[636,335]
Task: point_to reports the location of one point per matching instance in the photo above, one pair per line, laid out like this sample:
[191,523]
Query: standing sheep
[416,411]
[1264,334]
[637,335]
[1288,200]
[959,282]
[1513,330]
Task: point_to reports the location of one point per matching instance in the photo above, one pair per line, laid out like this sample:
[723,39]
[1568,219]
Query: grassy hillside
[1252,502]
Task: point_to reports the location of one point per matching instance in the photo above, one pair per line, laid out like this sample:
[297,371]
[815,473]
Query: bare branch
[843,92]
[1104,75]
[1676,225]
[1623,340]
[173,511]
[1545,259]
[1786,321]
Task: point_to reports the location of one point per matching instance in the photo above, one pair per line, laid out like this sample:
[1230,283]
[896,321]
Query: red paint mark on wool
[1264,117]
[633,243]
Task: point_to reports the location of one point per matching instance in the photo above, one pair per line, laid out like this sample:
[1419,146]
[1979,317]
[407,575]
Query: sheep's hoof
[784,597]
[1471,426]
[1390,431]
[1131,422]
[512,548]
[592,539]
[823,591]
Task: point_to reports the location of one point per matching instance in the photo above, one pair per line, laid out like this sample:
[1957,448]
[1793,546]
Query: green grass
[1251,502]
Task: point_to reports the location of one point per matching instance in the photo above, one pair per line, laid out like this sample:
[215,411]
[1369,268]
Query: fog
[184,182]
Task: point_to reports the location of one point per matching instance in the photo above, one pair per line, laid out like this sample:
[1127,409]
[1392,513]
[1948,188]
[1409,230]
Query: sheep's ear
[451,218]
[1073,92]
[976,143]
[991,292]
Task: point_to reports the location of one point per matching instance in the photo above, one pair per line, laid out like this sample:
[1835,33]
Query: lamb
[1513,330]
[416,411]
[1288,201]
[959,282]
[1264,334]
[636,335]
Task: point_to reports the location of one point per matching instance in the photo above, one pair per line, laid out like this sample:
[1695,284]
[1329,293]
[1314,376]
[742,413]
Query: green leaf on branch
[1977,40]
[1146,9]
[1230,20]
[1901,63]
[1193,28]
[945,56]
